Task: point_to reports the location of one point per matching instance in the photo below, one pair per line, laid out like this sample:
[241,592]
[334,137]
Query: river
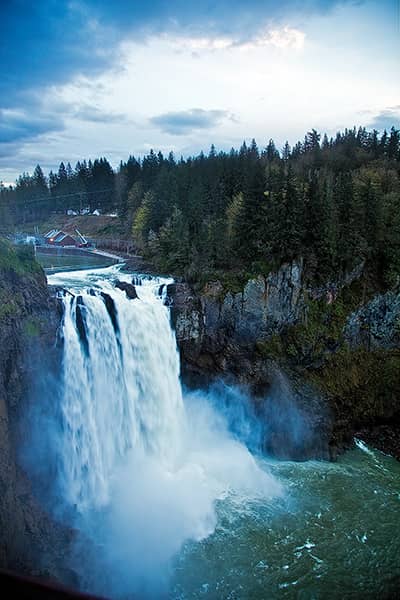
[171,502]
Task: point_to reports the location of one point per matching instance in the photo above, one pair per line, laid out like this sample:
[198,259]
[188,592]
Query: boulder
[128,288]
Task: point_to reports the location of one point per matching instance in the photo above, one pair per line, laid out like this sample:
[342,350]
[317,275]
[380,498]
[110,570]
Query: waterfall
[121,388]
[142,465]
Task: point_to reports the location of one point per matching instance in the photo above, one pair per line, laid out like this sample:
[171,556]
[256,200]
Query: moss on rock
[365,384]
[18,259]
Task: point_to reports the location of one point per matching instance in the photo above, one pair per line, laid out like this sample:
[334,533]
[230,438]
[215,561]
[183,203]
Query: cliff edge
[31,542]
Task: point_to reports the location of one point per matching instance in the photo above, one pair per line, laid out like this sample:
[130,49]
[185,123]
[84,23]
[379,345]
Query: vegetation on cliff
[319,332]
[21,277]
[30,542]
[17,259]
[360,377]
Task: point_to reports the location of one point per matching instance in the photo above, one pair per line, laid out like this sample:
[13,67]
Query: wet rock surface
[30,541]
[128,288]
[112,311]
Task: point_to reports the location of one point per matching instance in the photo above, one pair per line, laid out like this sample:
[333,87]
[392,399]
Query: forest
[334,202]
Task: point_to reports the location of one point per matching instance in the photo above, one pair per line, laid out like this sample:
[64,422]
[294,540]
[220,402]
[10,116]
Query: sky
[89,78]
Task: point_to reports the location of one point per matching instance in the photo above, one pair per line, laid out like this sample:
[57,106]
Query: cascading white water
[133,451]
[121,388]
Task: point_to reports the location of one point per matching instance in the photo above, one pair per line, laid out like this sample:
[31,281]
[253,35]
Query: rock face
[324,355]
[217,332]
[264,306]
[187,318]
[373,331]
[30,541]
[375,325]
[215,327]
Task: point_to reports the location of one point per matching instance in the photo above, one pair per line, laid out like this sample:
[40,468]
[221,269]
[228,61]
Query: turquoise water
[334,534]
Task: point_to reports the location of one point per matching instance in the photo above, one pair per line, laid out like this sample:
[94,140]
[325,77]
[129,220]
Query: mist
[156,506]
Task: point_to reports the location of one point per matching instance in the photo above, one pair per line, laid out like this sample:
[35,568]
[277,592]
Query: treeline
[332,201]
[90,186]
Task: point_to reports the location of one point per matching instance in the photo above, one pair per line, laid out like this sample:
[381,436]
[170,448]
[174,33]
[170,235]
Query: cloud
[41,117]
[227,17]
[42,44]
[93,114]
[82,69]
[186,121]
[285,38]
[7,150]
[20,127]
[288,37]
[17,125]
[55,40]
[386,119]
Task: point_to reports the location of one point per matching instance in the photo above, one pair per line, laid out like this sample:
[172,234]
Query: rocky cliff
[211,324]
[335,347]
[30,541]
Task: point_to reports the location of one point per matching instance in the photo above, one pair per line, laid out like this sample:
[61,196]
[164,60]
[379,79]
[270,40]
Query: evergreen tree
[334,203]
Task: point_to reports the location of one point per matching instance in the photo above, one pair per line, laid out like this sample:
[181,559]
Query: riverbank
[132,262]
[98,252]
[384,437]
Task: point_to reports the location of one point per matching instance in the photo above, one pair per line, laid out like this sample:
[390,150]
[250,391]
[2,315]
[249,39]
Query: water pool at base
[334,534]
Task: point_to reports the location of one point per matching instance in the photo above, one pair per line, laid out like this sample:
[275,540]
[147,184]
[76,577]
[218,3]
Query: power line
[82,193]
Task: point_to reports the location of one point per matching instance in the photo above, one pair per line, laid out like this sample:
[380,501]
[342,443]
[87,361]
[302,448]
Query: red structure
[55,237]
